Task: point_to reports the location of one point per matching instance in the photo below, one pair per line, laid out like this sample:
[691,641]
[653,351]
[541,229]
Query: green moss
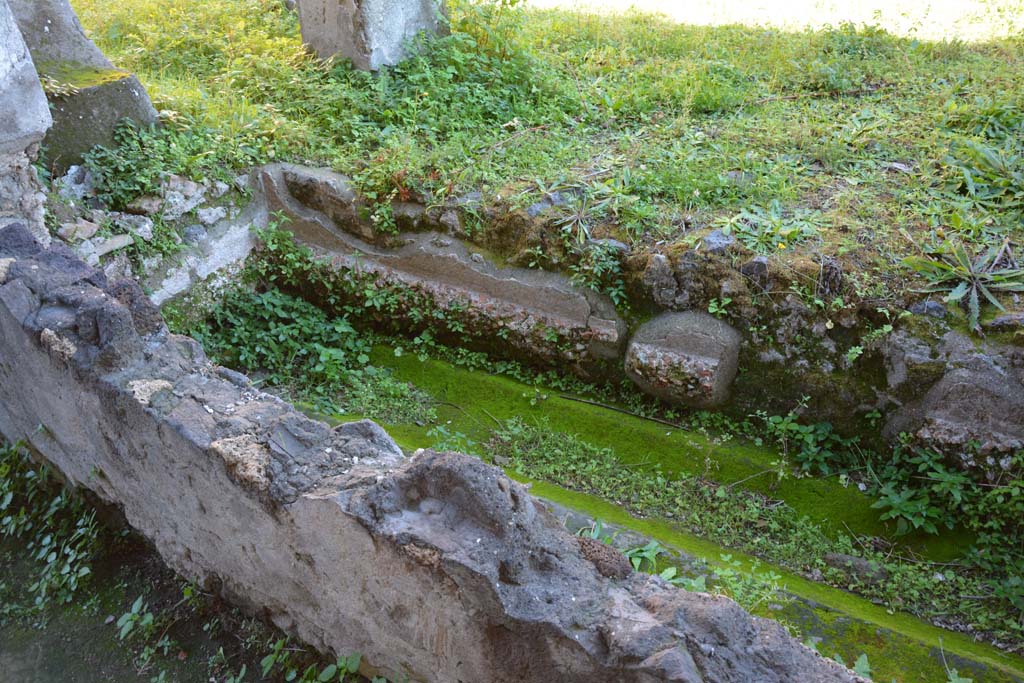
[62,77]
[473,403]
[898,645]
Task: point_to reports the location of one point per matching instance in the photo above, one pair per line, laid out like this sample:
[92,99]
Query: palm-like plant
[968,278]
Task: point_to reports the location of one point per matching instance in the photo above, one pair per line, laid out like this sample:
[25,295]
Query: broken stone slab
[146,205]
[689,358]
[370,33]
[139,226]
[113,244]
[180,196]
[519,310]
[437,568]
[88,95]
[211,215]
[77,231]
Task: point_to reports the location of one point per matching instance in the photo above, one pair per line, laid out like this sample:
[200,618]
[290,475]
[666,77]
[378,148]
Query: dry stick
[502,143]
[620,410]
[802,95]
[464,412]
[496,420]
[745,479]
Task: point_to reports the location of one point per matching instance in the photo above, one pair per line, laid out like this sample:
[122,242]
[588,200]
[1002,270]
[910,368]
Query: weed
[55,527]
[771,229]
[969,279]
[718,308]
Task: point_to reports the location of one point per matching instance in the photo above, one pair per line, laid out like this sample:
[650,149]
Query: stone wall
[436,567]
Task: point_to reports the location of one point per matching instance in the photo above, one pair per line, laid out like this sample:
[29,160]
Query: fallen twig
[809,95]
[620,410]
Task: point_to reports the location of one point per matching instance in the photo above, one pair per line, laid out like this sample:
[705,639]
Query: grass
[83,599]
[666,129]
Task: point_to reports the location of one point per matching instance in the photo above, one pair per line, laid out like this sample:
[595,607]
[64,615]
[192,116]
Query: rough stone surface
[24,119]
[953,393]
[211,214]
[370,33]
[210,252]
[86,116]
[717,242]
[23,110]
[608,561]
[435,568]
[862,570]
[523,305]
[690,358]
[929,308]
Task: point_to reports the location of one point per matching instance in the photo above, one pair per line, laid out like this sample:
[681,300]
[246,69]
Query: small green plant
[770,229]
[862,667]
[749,588]
[719,308]
[599,267]
[445,440]
[137,622]
[911,508]
[815,447]
[580,215]
[57,529]
[969,279]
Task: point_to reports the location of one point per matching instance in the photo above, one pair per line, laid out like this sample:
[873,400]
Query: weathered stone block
[89,95]
[24,116]
[371,33]
[24,119]
[689,358]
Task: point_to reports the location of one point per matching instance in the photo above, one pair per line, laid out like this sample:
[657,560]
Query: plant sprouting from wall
[970,279]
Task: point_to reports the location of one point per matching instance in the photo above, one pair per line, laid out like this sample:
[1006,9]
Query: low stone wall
[537,316]
[436,567]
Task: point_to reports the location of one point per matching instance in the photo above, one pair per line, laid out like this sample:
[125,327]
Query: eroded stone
[369,33]
[689,358]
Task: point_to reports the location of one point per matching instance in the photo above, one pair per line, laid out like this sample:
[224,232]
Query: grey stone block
[93,96]
[370,33]
[24,115]
[689,358]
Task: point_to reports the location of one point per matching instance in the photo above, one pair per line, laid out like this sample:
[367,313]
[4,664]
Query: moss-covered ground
[471,405]
[472,402]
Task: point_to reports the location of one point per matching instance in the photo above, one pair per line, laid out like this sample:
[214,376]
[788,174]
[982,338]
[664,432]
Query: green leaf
[328,673]
[861,666]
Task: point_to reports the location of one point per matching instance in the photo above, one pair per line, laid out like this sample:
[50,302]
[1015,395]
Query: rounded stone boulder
[689,358]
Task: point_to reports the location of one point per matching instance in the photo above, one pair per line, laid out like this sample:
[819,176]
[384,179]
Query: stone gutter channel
[324,213]
[537,317]
[436,567]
